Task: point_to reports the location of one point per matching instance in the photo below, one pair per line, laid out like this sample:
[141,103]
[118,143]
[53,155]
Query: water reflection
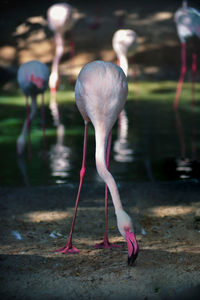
[148,167]
[123,153]
[186,166]
[59,156]
[54,110]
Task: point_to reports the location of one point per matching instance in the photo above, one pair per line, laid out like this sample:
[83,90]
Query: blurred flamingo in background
[124,44]
[101,90]
[59,18]
[33,79]
[187,21]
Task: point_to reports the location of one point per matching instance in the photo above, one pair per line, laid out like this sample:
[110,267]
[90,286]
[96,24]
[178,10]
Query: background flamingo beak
[133,248]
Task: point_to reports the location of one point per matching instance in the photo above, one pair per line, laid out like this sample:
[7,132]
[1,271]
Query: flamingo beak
[133,248]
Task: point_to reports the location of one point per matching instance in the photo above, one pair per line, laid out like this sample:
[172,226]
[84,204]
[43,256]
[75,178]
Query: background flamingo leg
[69,248]
[182,76]
[106,244]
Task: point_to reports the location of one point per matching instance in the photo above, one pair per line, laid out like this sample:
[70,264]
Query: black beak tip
[132,258]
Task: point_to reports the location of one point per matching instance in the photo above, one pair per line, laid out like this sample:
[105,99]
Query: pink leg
[194,69]
[181,79]
[106,244]
[29,126]
[69,248]
[43,122]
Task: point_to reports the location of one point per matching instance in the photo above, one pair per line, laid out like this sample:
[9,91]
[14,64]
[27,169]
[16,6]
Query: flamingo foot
[67,250]
[106,245]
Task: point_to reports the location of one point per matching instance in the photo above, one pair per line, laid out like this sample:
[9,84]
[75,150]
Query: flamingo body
[101,90]
[33,79]
[99,102]
[187,20]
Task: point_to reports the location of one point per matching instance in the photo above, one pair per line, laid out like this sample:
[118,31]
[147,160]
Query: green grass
[160,91]
[148,91]
[150,94]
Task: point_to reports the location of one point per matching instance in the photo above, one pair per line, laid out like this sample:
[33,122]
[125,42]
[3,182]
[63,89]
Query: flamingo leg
[194,69]
[28,126]
[182,76]
[106,244]
[69,248]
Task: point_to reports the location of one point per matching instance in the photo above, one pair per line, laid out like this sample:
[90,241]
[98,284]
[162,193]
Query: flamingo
[187,21]
[124,44]
[100,92]
[59,18]
[33,79]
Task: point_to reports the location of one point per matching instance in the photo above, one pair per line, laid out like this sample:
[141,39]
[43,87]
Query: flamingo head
[125,227]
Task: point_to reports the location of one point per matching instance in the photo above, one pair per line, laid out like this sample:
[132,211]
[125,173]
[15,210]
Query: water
[153,143]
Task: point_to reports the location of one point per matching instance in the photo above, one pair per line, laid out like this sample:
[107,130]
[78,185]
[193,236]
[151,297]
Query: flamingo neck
[185,4]
[59,51]
[123,63]
[100,155]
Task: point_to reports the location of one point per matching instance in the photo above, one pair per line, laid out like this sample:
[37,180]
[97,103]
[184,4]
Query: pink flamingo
[101,90]
[124,44]
[59,18]
[188,25]
[33,79]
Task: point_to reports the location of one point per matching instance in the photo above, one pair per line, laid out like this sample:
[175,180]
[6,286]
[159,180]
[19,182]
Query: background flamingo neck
[59,51]
[123,62]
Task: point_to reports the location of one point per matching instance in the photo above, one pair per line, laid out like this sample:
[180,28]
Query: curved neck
[100,155]
[59,51]
[123,62]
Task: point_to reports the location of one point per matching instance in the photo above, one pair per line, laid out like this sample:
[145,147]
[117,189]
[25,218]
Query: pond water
[153,142]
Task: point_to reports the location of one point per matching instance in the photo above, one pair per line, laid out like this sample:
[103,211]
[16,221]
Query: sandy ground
[167,223]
